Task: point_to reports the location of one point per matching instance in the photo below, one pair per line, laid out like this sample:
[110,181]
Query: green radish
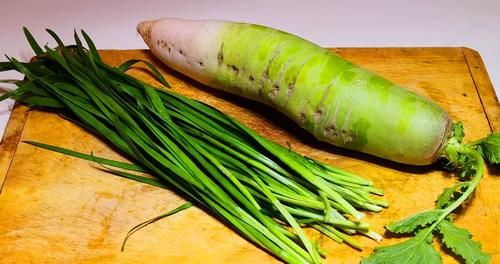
[339,103]
[335,100]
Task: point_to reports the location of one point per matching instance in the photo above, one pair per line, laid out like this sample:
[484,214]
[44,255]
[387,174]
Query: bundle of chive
[265,191]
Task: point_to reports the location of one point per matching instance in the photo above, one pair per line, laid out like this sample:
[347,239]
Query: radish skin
[335,100]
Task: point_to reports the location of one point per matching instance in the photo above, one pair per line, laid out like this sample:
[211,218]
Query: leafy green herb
[460,242]
[414,222]
[450,194]
[490,148]
[416,250]
[419,248]
[152,220]
[114,163]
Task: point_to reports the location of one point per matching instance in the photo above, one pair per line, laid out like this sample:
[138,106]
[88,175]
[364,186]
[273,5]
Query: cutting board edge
[10,140]
[484,87]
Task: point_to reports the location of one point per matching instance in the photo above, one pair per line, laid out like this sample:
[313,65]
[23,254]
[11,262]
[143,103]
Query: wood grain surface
[58,209]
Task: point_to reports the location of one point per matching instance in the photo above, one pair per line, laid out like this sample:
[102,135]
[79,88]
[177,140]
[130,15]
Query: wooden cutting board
[58,209]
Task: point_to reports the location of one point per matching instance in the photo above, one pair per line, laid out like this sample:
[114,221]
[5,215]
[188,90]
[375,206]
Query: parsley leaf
[459,241]
[450,194]
[412,223]
[490,148]
[470,163]
[416,250]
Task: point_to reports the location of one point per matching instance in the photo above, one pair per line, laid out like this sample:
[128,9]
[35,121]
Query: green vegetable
[489,147]
[459,241]
[333,99]
[336,101]
[412,223]
[152,220]
[427,224]
[265,191]
[413,251]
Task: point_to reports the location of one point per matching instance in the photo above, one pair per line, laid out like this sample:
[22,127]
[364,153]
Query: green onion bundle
[264,191]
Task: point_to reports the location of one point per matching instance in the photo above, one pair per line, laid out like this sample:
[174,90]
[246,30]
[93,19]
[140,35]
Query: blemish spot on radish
[220,54]
[331,132]
[200,63]
[290,89]
[317,115]
[264,78]
[260,86]
[235,69]
[274,92]
[346,136]
[302,118]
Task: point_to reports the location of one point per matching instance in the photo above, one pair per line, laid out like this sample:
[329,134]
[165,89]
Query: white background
[474,24]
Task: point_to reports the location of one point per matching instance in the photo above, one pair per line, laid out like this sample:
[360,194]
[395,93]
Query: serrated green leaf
[466,166]
[412,223]
[449,194]
[490,148]
[416,250]
[459,241]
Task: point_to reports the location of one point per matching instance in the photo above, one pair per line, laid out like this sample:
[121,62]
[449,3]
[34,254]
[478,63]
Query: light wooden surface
[57,209]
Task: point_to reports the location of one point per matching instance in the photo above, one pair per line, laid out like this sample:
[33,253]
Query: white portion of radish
[185,45]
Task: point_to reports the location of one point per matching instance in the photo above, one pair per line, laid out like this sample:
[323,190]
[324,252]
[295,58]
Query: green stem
[471,186]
